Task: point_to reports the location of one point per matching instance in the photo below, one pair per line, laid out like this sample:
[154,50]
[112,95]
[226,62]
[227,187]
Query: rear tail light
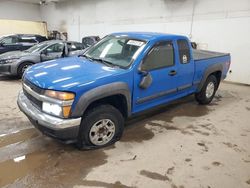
[228,65]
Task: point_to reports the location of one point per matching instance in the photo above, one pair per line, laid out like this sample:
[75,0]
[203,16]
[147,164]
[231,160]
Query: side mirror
[44,52]
[142,71]
[146,80]
[1,44]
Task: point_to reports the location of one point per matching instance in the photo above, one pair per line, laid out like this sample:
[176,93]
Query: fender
[15,66]
[101,92]
[207,72]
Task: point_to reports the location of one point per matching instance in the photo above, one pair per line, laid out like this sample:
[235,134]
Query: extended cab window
[161,55]
[184,51]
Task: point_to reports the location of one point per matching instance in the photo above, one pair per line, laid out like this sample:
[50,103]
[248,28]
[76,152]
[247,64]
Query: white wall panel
[19,11]
[221,25]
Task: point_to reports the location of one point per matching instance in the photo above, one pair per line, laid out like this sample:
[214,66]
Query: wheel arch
[215,70]
[21,63]
[116,94]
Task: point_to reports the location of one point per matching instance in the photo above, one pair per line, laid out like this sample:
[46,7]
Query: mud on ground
[180,145]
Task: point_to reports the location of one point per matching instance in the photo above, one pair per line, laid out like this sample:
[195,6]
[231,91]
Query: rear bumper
[65,130]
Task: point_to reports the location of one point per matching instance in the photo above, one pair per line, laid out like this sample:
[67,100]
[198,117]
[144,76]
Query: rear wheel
[101,126]
[21,69]
[206,95]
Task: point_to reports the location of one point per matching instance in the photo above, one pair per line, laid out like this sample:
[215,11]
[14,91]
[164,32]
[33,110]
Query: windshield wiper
[108,63]
[87,57]
[103,61]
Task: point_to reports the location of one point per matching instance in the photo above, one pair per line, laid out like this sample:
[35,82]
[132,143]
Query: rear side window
[41,38]
[74,46]
[88,41]
[9,40]
[55,48]
[160,56]
[184,51]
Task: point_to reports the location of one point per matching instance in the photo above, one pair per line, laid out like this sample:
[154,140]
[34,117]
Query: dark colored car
[90,41]
[19,42]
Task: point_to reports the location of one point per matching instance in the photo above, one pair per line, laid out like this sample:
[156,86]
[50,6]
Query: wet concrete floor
[179,145]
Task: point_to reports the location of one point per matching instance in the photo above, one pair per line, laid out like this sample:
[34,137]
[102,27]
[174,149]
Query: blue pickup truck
[87,99]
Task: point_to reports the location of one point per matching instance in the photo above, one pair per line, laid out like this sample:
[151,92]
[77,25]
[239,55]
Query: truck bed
[204,59]
[204,54]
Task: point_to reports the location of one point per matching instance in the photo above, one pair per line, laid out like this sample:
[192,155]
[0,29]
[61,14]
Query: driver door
[54,51]
[156,81]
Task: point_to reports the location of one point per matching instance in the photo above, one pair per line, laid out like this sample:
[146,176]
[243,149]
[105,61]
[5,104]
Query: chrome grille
[36,89]
[33,86]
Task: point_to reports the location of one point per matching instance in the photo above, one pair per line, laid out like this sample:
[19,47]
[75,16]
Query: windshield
[37,47]
[117,51]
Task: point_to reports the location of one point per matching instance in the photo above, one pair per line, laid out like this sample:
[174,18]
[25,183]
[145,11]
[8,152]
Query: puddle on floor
[154,175]
[18,136]
[93,183]
[136,131]
[60,165]
[186,107]
[54,166]
[20,166]
[9,125]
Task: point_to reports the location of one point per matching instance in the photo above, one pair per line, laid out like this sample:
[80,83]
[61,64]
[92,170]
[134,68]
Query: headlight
[6,61]
[55,109]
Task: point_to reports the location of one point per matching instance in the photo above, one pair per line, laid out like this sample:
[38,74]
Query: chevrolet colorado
[87,99]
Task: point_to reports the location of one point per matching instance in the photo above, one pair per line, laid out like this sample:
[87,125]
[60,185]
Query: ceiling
[36,1]
[28,1]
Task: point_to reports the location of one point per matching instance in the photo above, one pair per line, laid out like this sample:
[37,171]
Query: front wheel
[101,126]
[206,95]
[21,69]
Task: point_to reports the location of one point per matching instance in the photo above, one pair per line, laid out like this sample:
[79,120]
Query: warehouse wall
[221,25]
[19,11]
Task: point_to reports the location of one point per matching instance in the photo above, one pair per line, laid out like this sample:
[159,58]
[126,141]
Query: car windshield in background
[116,51]
[37,47]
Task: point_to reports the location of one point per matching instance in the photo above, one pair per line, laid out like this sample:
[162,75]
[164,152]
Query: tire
[206,95]
[91,133]
[21,68]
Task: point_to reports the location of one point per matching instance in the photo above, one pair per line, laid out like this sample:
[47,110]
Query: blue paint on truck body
[80,75]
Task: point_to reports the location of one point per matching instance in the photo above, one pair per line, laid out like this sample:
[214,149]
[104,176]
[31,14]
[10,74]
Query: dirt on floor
[180,145]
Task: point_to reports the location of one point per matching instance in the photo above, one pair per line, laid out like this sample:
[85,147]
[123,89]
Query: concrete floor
[180,145]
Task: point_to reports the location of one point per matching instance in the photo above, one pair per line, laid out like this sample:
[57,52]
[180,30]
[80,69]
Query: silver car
[16,62]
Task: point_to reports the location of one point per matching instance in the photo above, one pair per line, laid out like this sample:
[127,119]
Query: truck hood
[65,74]
[13,55]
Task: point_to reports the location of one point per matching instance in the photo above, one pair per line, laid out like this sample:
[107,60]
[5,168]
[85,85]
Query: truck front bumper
[65,130]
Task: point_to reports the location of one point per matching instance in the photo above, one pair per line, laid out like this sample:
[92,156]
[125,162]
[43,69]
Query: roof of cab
[148,35]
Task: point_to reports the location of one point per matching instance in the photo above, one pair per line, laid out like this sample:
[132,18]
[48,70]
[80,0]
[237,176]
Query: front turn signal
[65,96]
[66,111]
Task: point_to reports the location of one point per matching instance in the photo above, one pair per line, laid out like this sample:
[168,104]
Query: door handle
[172,73]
